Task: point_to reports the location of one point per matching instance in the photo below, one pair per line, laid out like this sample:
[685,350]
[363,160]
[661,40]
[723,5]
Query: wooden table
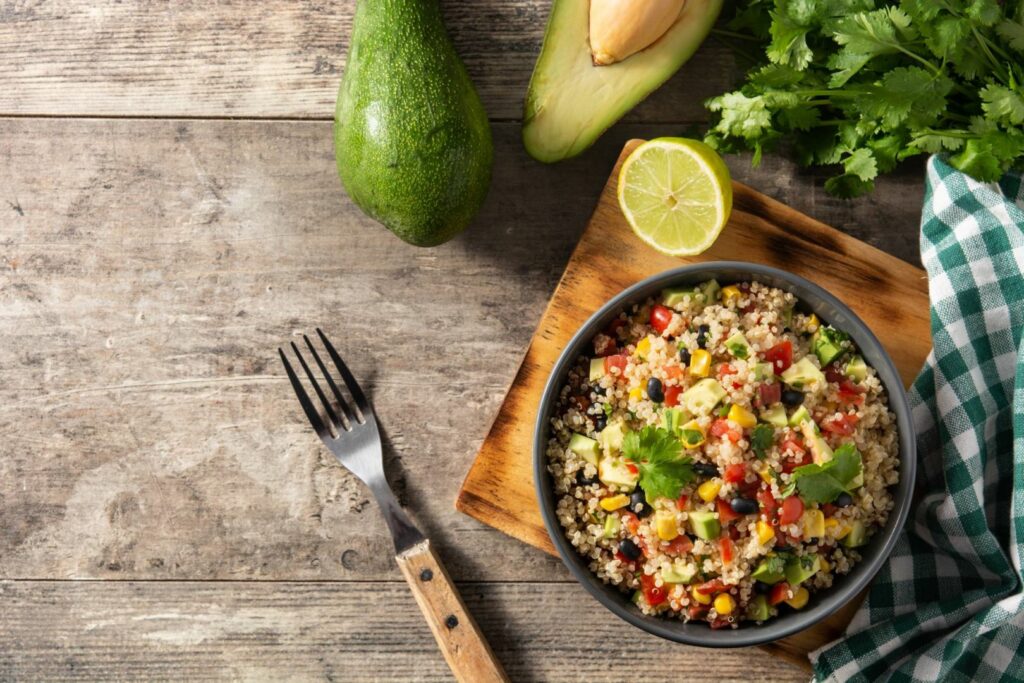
[169,214]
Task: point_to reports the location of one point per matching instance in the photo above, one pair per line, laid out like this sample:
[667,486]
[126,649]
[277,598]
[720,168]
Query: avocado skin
[411,138]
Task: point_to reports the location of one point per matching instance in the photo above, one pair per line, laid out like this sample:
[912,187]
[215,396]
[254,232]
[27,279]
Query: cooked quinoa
[722,455]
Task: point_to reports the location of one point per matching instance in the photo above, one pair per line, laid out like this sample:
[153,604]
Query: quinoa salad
[721,456]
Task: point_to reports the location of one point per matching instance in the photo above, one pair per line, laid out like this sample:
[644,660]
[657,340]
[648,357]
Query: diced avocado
[738,346]
[611,526]
[787,317]
[585,447]
[763,371]
[799,416]
[857,369]
[710,289]
[776,416]
[673,296]
[770,570]
[612,435]
[638,597]
[819,449]
[680,572]
[857,537]
[705,524]
[672,419]
[613,472]
[803,373]
[703,396]
[596,369]
[828,343]
[799,569]
[757,608]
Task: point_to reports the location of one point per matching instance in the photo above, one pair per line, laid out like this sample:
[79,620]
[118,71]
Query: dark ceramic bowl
[845,588]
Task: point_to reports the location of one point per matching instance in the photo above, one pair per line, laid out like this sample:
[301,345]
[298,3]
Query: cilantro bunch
[664,471]
[864,84]
[823,483]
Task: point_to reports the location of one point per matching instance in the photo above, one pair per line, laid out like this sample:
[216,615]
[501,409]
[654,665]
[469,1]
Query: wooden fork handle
[464,647]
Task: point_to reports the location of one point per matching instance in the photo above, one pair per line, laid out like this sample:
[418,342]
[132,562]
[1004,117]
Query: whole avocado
[411,138]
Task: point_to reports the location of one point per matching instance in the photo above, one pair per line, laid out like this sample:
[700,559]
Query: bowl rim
[835,597]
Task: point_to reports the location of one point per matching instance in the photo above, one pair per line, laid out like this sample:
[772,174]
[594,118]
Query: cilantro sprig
[823,483]
[761,440]
[864,84]
[657,453]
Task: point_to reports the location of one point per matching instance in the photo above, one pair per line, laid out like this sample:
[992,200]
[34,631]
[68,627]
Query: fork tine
[319,392]
[307,404]
[346,376]
[346,411]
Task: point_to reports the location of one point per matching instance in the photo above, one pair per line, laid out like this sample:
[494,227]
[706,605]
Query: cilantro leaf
[664,471]
[823,483]
[1002,105]
[761,440]
[1013,33]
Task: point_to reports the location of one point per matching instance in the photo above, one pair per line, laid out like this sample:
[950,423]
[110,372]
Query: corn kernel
[741,416]
[766,475]
[799,599]
[643,347]
[813,323]
[823,565]
[700,597]
[843,530]
[724,604]
[730,294]
[708,491]
[700,363]
[667,527]
[765,532]
[813,522]
[831,524]
[615,502]
[689,437]
[636,394]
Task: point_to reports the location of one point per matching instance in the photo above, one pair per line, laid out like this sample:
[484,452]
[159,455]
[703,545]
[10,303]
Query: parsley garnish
[761,440]
[823,483]
[863,84]
[664,471]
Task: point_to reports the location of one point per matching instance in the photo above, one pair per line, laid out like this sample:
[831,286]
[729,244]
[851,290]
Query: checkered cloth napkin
[948,605]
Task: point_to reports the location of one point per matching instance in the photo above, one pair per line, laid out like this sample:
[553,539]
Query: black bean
[705,469]
[743,506]
[702,336]
[638,503]
[843,500]
[792,397]
[760,587]
[655,392]
[584,480]
[600,422]
[629,549]
[684,356]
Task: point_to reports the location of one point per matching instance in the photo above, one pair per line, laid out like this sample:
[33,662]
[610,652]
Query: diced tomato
[735,473]
[779,593]
[711,587]
[828,509]
[734,532]
[791,442]
[615,326]
[680,545]
[768,503]
[834,374]
[660,318]
[725,511]
[770,394]
[726,547]
[726,369]
[721,427]
[631,522]
[798,460]
[633,469]
[582,403]
[718,623]
[850,392]
[673,372]
[792,509]
[654,595]
[841,424]
[780,356]
[622,558]
[616,361]
[697,610]
[683,501]
[672,395]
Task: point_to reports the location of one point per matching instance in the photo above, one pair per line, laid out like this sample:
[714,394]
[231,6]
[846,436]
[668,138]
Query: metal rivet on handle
[451,621]
[426,575]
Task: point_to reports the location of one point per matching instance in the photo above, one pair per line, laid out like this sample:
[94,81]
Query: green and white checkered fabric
[948,605]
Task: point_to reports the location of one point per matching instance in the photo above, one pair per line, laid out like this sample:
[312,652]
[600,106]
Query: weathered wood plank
[113,631]
[268,59]
[149,269]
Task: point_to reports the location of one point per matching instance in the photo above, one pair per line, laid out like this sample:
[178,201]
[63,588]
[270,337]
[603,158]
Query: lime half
[676,195]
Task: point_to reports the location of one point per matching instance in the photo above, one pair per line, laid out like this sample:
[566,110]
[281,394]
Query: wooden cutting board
[889,294]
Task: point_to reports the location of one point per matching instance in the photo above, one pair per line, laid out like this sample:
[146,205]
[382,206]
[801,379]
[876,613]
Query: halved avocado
[570,101]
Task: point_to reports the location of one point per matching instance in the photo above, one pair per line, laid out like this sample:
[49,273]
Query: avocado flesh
[570,102]
[411,138]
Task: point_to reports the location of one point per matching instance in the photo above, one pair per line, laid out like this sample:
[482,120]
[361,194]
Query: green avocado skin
[411,138]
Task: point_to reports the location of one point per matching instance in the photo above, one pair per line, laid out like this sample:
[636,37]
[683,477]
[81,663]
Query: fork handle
[467,653]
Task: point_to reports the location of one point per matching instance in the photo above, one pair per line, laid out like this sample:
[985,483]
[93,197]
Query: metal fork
[350,432]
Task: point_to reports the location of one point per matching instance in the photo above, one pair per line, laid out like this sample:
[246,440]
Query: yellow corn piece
[843,530]
[700,363]
[667,527]
[766,475]
[741,416]
[831,524]
[643,347]
[616,502]
[700,597]
[636,393]
[813,522]
[708,491]
[765,532]
[692,426]
[724,604]
[799,599]
[823,565]
[730,294]
[813,323]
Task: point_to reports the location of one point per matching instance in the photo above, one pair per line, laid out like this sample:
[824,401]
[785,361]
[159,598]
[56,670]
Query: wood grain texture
[465,648]
[268,59]
[889,294]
